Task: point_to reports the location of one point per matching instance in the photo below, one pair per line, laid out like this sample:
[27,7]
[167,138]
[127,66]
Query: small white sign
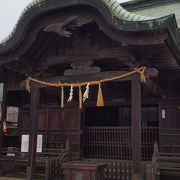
[12,114]
[163,114]
[1,91]
[25,143]
[39,143]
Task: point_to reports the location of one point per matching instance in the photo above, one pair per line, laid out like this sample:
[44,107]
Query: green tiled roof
[118,11]
[115,8]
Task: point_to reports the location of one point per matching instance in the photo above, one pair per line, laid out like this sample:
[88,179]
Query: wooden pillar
[136,128]
[3,114]
[33,132]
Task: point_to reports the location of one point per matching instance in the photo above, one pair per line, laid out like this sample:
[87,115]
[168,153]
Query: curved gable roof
[111,10]
[116,9]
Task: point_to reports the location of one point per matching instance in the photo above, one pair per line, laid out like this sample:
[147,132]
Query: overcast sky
[10,11]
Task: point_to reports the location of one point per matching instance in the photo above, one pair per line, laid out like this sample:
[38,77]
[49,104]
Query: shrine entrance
[75,55]
[108,116]
[108,130]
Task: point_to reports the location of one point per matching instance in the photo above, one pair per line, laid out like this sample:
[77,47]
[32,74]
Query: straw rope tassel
[62,96]
[80,98]
[100,100]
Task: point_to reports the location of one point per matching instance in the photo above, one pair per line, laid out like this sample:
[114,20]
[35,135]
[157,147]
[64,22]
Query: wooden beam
[4,80]
[24,65]
[33,132]
[136,128]
[3,114]
[152,87]
[99,55]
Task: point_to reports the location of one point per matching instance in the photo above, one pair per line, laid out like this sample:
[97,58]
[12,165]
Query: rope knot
[141,72]
[28,87]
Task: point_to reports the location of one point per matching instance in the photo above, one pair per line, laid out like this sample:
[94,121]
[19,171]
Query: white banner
[25,143]
[39,143]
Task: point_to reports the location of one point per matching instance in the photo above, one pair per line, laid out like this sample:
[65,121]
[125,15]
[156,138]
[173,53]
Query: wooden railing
[148,137]
[48,163]
[115,142]
[165,165]
[169,140]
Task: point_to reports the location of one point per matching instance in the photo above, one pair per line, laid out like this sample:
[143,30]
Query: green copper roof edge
[109,3]
[122,16]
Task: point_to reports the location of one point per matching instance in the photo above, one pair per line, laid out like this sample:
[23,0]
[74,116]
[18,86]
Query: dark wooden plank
[33,132]
[72,131]
[3,115]
[99,55]
[136,126]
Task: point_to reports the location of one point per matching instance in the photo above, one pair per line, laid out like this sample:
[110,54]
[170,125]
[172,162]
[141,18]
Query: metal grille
[115,142]
[149,136]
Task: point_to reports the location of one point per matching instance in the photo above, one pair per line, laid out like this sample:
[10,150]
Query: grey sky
[10,11]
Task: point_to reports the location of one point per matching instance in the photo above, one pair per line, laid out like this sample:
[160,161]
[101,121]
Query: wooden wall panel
[58,128]
[55,119]
[23,121]
[169,127]
[72,130]
[72,119]
[72,137]
[42,120]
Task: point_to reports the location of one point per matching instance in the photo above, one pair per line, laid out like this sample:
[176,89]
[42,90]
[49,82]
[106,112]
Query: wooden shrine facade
[99,142]
[75,42]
